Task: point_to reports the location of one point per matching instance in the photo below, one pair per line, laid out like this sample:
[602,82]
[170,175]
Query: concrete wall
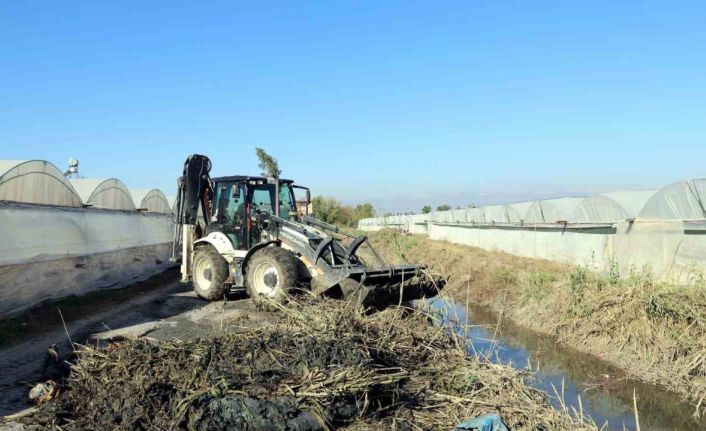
[673,251]
[49,252]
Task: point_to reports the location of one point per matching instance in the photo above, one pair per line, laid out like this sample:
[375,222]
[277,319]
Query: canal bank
[653,331]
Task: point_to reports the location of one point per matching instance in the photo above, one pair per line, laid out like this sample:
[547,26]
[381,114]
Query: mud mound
[322,365]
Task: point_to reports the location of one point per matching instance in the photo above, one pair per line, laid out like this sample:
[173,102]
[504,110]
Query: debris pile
[323,364]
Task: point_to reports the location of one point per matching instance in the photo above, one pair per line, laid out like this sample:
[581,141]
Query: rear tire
[271,272]
[209,273]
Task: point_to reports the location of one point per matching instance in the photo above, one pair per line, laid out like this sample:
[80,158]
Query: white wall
[49,252]
[661,247]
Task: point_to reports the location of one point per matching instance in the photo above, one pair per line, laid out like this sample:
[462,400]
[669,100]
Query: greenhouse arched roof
[36,182]
[504,213]
[151,200]
[611,207]
[100,193]
[683,200]
[551,210]
[519,210]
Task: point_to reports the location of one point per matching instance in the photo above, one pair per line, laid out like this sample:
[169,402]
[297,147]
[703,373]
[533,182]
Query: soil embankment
[654,331]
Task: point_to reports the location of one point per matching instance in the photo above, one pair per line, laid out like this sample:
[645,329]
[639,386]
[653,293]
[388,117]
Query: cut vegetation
[320,365]
[654,331]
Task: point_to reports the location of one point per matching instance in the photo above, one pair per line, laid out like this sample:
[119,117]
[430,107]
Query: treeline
[427,209]
[332,211]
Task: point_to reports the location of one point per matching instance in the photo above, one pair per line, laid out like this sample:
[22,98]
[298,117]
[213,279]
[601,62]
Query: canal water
[582,381]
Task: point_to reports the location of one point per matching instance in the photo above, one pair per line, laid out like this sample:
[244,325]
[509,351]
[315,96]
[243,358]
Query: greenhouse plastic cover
[611,207]
[475,215]
[36,182]
[459,215]
[105,193]
[683,200]
[551,210]
[519,210]
[152,200]
[497,214]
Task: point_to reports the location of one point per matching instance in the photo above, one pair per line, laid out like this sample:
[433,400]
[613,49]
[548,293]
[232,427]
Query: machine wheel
[271,272]
[209,273]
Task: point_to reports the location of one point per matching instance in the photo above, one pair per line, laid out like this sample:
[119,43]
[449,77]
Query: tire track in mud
[22,364]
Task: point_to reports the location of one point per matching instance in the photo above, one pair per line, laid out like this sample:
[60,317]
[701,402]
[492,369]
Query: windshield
[263,199]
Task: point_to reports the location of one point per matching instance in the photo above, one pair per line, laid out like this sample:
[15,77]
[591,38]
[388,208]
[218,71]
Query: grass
[655,331]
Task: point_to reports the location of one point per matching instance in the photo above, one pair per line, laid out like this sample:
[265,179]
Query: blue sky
[398,103]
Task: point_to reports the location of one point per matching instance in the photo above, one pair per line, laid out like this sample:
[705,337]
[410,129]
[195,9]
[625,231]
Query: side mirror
[308,196]
[236,191]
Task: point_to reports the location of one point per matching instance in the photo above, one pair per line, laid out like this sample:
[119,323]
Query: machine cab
[241,203]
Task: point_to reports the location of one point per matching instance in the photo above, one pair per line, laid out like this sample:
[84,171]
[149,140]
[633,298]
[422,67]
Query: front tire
[271,272]
[209,273]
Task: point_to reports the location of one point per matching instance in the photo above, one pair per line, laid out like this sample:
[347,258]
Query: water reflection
[606,393]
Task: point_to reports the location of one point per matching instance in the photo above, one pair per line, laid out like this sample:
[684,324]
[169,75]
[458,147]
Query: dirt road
[161,308]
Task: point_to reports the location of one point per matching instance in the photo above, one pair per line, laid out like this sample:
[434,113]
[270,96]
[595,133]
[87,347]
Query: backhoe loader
[245,233]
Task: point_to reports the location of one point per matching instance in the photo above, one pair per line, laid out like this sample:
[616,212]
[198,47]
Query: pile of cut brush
[322,365]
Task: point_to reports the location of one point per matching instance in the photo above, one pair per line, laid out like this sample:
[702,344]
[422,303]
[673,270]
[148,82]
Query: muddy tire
[209,272]
[271,272]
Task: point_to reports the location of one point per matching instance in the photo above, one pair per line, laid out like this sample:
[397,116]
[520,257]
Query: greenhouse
[441,216]
[497,213]
[683,200]
[36,182]
[459,215]
[109,194]
[151,200]
[517,211]
[551,210]
[171,200]
[611,207]
[475,215]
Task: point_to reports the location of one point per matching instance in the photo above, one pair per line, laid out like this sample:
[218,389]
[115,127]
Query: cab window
[230,206]
[263,199]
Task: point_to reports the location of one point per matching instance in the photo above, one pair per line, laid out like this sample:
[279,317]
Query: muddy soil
[160,308]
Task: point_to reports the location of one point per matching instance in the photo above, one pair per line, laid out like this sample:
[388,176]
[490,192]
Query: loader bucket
[391,284]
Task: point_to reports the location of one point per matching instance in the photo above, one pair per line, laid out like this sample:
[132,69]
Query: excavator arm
[194,191]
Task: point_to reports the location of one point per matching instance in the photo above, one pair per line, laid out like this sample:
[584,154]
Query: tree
[426,209]
[443,207]
[268,164]
[362,211]
[326,209]
[332,211]
[346,217]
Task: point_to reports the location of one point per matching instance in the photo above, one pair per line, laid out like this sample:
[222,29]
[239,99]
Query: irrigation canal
[575,381]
